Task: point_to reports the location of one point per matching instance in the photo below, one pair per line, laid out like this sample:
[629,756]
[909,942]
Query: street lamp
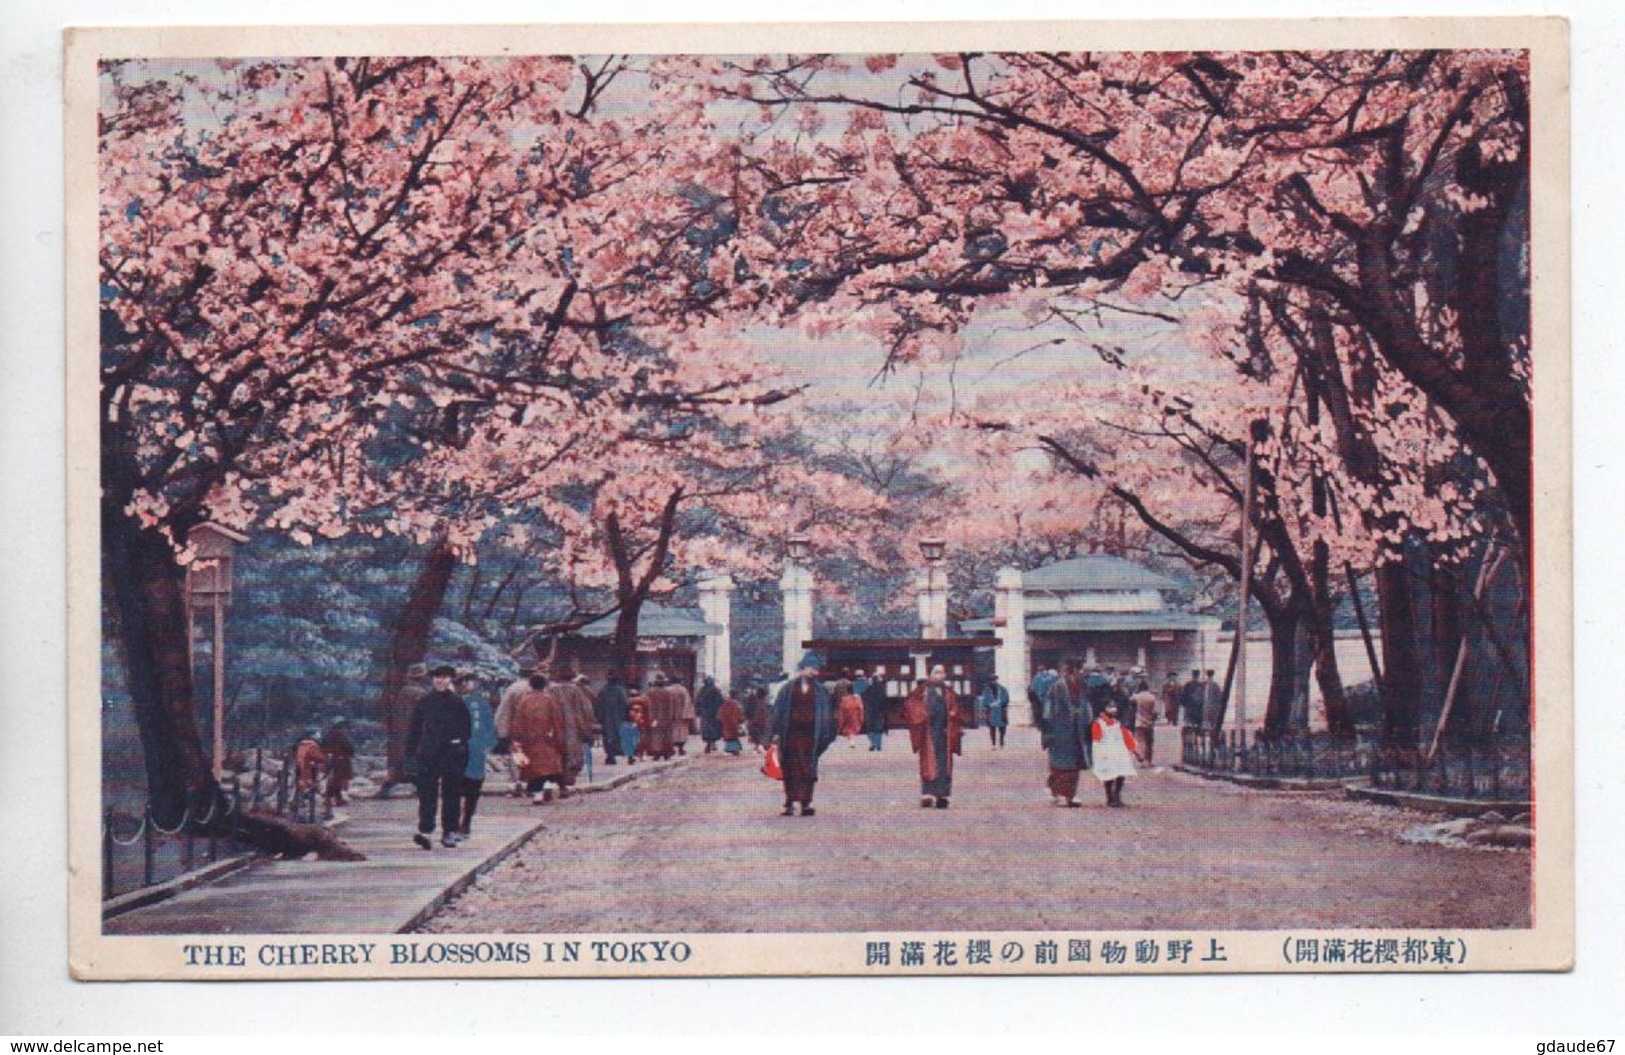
[934,598]
[800,547]
[208,581]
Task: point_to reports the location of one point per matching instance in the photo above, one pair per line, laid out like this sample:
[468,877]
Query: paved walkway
[703,849]
[388,892]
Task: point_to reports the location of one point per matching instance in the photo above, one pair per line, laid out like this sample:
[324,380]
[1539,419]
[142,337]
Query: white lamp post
[934,589]
[797,587]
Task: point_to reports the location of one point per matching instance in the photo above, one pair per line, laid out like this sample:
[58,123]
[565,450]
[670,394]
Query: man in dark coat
[1067,736]
[1212,697]
[610,710]
[1190,700]
[437,749]
[874,711]
[1170,699]
[707,704]
[803,727]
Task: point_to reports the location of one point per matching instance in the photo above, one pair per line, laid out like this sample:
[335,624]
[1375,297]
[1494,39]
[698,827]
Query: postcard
[1004,498]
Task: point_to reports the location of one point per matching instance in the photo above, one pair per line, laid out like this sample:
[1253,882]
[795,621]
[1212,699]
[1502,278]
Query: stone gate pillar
[716,653]
[1010,659]
[931,590]
[797,584]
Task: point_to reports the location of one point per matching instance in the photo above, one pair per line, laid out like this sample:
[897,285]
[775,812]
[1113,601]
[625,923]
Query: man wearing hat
[579,723]
[1144,702]
[665,708]
[437,747]
[803,727]
[340,751]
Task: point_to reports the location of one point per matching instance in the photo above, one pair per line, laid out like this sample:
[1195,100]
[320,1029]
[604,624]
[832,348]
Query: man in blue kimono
[803,727]
[1067,736]
[994,703]
[1038,692]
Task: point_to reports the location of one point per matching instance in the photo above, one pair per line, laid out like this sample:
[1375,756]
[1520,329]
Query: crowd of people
[546,724]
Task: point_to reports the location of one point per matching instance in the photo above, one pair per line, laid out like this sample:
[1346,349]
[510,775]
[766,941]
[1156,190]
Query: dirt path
[703,849]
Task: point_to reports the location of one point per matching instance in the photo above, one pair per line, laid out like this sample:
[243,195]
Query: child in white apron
[1114,753]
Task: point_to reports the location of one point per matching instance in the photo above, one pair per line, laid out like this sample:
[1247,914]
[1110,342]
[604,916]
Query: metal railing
[1299,756]
[1491,770]
[140,851]
[1495,769]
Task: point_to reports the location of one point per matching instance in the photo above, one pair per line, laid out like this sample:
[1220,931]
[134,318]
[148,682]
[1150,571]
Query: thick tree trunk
[1283,672]
[148,593]
[626,638]
[1329,677]
[409,644]
[1401,661]
[148,590]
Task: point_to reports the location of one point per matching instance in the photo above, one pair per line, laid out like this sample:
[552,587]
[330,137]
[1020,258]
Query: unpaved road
[702,848]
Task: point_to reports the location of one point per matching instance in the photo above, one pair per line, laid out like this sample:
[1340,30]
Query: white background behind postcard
[36,996]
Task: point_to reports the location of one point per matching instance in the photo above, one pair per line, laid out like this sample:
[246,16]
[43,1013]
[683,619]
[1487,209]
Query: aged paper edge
[1548,945]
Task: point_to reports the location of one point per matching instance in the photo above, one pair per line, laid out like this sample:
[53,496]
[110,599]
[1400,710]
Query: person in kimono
[759,717]
[665,707]
[1066,736]
[538,729]
[730,722]
[874,711]
[482,738]
[340,751]
[934,720]
[994,703]
[708,705]
[633,729]
[1114,754]
[803,728]
[609,710]
[579,723]
[849,712]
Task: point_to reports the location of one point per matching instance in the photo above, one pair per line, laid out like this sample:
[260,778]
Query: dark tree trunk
[148,590]
[1401,660]
[1283,671]
[626,638]
[1328,676]
[409,644]
[148,593]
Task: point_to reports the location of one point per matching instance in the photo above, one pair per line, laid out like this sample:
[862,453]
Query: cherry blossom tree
[369,295]
[1348,184]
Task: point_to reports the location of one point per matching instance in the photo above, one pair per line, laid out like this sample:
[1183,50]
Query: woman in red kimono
[848,712]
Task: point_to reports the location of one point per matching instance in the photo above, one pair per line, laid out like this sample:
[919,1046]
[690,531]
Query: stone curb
[1293,784]
[129,902]
[209,873]
[464,881]
[1434,803]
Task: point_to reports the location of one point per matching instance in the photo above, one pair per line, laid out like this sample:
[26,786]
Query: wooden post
[219,685]
[1246,588]
[1486,572]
